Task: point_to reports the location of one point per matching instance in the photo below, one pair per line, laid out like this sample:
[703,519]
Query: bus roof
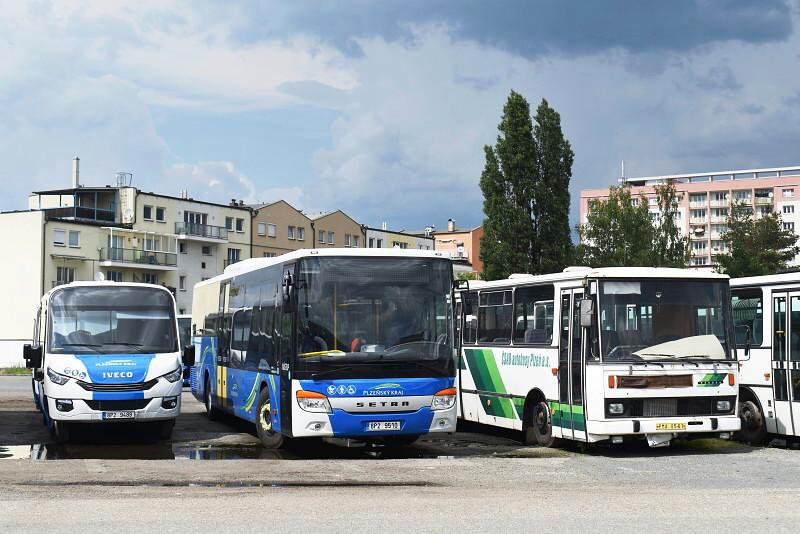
[576,273]
[766,280]
[253,264]
[105,283]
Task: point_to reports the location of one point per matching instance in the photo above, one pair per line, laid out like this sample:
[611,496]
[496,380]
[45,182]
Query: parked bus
[107,352]
[766,315]
[600,355]
[354,343]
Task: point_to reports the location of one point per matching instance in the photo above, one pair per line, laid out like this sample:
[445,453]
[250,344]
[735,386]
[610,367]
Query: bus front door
[569,413]
[786,361]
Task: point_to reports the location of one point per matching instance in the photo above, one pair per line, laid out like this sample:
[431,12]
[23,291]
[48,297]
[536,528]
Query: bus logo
[331,390]
[384,390]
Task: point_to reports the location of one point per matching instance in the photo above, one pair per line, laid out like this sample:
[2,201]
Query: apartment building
[278,228]
[384,238]
[706,200]
[336,229]
[463,244]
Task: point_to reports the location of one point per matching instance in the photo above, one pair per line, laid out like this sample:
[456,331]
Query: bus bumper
[153,409]
[343,424]
[676,426]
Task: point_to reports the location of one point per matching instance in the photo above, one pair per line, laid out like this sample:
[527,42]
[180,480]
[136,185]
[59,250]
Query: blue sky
[381,108]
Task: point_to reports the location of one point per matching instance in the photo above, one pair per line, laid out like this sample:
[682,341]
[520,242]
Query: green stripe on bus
[483,368]
[497,406]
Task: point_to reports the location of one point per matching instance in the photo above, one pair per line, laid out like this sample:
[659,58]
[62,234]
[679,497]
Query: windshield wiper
[79,345]
[126,343]
[331,371]
[669,359]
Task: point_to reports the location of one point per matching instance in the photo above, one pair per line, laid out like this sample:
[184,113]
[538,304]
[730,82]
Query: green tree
[617,233]
[525,185]
[507,183]
[757,246]
[554,158]
[670,248]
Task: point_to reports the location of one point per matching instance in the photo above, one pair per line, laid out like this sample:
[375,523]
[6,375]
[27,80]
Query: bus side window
[470,314]
[533,315]
[748,312]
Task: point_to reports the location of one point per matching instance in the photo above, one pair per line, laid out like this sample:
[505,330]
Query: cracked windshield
[357,313]
[652,320]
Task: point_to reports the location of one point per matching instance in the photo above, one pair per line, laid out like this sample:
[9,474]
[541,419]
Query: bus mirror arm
[188,355]
[748,341]
[32,356]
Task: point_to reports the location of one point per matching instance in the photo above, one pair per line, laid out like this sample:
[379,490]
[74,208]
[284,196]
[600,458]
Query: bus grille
[659,407]
[681,406]
[136,386]
[114,405]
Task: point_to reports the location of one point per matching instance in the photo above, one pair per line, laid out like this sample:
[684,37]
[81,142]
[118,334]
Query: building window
[698,245]
[701,260]
[59,237]
[64,275]
[182,248]
[182,311]
[371,242]
[788,209]
[150,278]
[202,265]
[379,243]
[148,213]
[229,223]
[74,238]
[399,244]
[240,225]
[347,240]
[272,230]
[182,283]
[721,196]
[330,238]
[788,193]
[114,276]
[193,217]
[262,228]
[355,240]
[301,234]
[290,232]
[161,214]
[321,236]
[788,226]
[269,254]
[233,255]
[206,250]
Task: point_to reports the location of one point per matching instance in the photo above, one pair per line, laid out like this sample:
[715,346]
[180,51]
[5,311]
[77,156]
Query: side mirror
[587,313]
[32,356]
[188,355]
[461,285]
[746,331]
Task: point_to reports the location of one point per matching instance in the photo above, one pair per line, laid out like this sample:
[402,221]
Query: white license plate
[378,426]
[118,415]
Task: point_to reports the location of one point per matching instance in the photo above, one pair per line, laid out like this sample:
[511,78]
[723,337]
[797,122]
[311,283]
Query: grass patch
[14,371]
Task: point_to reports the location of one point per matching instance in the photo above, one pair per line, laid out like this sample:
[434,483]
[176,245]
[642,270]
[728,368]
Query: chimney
[451,225]
[76,172]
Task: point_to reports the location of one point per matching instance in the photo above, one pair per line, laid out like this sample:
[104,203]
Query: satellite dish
[99,277]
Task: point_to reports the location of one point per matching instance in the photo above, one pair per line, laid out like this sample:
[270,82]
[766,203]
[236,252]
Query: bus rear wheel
[753,431]
[212,412]
[537,428]
[269,438]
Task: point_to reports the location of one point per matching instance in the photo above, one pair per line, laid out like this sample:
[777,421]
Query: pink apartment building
[706,198]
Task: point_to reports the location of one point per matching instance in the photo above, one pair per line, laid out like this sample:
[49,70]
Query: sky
[382,108]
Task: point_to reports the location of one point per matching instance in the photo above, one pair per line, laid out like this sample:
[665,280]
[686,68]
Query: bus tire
[537,428]
[754,429]
[165,429]
[269,438]
[212,412]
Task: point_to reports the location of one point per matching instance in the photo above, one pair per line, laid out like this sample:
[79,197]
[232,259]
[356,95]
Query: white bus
[766,315]
[106,352]
[600,354]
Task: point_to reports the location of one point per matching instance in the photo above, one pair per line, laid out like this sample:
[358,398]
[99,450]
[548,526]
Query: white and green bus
[600,355]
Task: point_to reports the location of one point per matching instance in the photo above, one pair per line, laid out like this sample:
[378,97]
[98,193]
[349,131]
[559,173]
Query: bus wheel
[165,429]
[538,429]
[211,411]
[269,438]
[753,430]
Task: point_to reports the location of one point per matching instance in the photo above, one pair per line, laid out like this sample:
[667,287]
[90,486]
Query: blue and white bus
[107,352]
[354,343]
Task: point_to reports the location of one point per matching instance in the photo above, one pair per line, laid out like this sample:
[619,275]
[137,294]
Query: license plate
[118,415]
[378,426]
[670,426]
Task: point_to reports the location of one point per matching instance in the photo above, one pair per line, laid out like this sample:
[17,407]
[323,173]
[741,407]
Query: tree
[757,246]
[551,206]
[525,185]
[670,248]
[617,233]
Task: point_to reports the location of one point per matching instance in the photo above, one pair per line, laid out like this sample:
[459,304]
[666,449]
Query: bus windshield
[112,320]
[360,313]
[664,320]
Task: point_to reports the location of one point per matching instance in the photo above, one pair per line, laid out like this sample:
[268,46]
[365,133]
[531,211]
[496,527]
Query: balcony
[138,258]
[695,204]
[720,203]
[201,232]
[82,212]
[763,201]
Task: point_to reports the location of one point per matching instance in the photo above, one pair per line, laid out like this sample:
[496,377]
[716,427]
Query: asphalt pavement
[215,477]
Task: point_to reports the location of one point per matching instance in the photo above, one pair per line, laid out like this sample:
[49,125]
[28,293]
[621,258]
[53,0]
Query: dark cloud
[534,28]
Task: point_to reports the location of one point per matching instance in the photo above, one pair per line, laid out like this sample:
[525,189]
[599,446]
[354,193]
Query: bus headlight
[311,401]
[444,399]
[174,376]
[57,378]
[615,408]
[723,406]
